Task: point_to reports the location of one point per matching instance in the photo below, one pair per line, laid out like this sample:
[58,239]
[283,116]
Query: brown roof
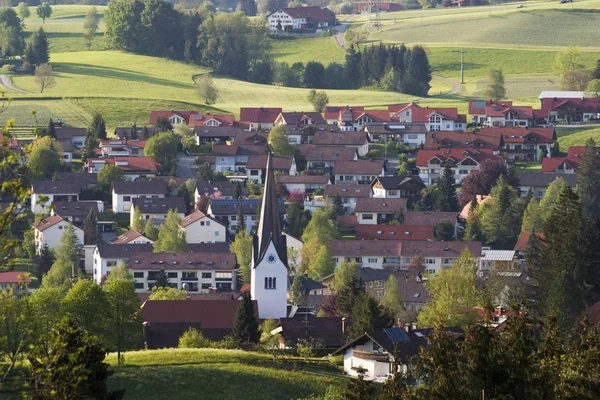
[365,247]
[439,249]
[47,223]
[340,139]
[394,232]
[251,138]
[134,164]
[520,135]
[260,162]
[399,127]
[463,140]
[183,261]
[56,187]
[75,208]
[313,13]
[259,114]
[159,205]
[430,218]
[388,206]
[69,133]
[14,277]
[234,149]
[327,330]
[211,314]
[196,216]
[315,153]
[127,237]
[523,241]
[348,190]
[294,117]
[354,167]
[217,131]
[140,187]
[308,179]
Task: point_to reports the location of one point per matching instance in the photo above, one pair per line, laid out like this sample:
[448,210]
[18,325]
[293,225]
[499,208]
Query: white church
[269,283]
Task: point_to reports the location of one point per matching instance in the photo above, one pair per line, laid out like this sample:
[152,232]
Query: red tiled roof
[334,112]
[394,232]
[365,167]
[202,119]
[210,314]
[587,105]
[279,162]
[466,211]
[245,287]
[347,221]
[134,164]
[430,218]
[156,115]
[365,247]
[311,13]
[421,114]
[550,164]
[375,115]
[456,154]
[259,114]
[398,107]
[14,277]
[435,140]
[521,244]
[127,237]
[519,135]
[47,223]
[193,217]
[474,106]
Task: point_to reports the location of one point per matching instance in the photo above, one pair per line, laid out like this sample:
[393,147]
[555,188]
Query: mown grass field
[576,136]
[212,374]
[322,49]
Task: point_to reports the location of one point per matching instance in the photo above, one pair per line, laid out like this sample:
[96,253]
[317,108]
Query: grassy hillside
[212,374]
[322,49]
[576,136]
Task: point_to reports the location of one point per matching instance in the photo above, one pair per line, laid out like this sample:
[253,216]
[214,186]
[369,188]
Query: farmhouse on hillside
[301,19]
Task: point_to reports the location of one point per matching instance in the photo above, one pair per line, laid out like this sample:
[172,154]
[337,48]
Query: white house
[234,157]
[132,167]
[300,18]
[325,158]
[294,248]
[396,187]
[435,118]
[156,208]
[412,134]
[377,254]
[45,193]
[200,228]
[304,183]
[49,231]
[193,272]
[349,193]
[123,192]
[373,211]
[256,166]
[500,113]
[76,136]
[109,256]
[355,140]
[122,148]
[462,162]
[437,255]
[360,171]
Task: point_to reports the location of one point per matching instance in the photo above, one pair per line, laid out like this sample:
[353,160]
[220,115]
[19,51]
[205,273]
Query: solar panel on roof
[479,104]
[397,335]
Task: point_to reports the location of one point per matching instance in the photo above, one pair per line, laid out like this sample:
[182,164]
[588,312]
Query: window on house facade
[372,260]
[139,285]
[254,172]
[367,216]
[138,274]
[217,233]
[126,198]
[206,275]
[206,286]
[172,275]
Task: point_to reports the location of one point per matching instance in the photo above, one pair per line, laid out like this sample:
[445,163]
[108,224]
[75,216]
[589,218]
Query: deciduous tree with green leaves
[44,11]
[167,293]
[392,299]
[66,266]
[150,230]
[495,89]
[124,316]
[86,305]
[318,99]
[588,181]
[138,220]
[368,315]
[163,149]
[278,140]
[242,248]
[90,26]
[171,238]
[110,173]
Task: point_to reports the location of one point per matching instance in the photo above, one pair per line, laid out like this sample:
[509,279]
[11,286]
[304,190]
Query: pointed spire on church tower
[269,227]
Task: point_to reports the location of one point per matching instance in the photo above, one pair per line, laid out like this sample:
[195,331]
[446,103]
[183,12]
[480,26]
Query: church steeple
[269,227]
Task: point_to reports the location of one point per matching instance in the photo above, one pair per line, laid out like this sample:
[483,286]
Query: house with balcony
[76,136]
[325,158]
[434,118]
[377,254]
[132,167]
[132,237]
[258,118]
[412,134]
[565,106]
[200,228]
[413,292]
[396,187]
[567,165]
[537,182]
[301,19]
[49,231]
[108,256]
[156,208]
[464,140]
[437,255]
[359,171]
[122,148]
[234,157]
[124,192]
[462,162]
[354,140]
[349,193]
[523,144]
[300,119]
[375,211]
[354,118]
[394,232]
[216,134]
[256,166]
[193,272]
[136,132]
[304,134]
[304,183]
[45,193]
[220,189]
[175,117]
[378,352]
[211,120]
[501,113]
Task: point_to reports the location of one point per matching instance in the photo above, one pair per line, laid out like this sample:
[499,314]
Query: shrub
[193,339]
[228,342]
[8,68]
[373,154]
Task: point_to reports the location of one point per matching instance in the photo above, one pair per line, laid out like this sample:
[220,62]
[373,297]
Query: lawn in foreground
[211,374]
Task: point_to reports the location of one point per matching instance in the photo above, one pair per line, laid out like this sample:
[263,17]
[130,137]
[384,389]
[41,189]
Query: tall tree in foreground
[588,181]
[138,221]
[453,292]
[279,142]
[171,238]
[23,11]
[392,299]
[481,182]
[245,327]
[86,305]
[98,127]
[150,230]
[495,89]
[37,51]
[163,149]
[73,368]
[90,228]
[207,89]
[368,315]
[124,328]
[447,201]
[347,286]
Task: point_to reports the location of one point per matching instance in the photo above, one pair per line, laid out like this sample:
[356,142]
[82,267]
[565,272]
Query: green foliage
[23,11]
[85,304]
[279,141]
[45,158]
[453,292]
[167,293]
[318,99]
[97,127]
[473,231]
[447,201]
[120,272]
[171,239]
[495,89]
[37,50]
[11,33]
[348,286]
[44,11]
[367,315]
[501,216]
[90,228]
[163,149]
[15,327]
[392,299]
[531,217]
[124,319]
[45,314]
[588,182]
[90,26]
[242,248]
[150,230]
[66,265]
[73,367]
[206,89]
[297,218]
[193,339]
[444,230]
[245,327]
[548,202]
[297,293]
[110,173]
[321,264]
[138,220]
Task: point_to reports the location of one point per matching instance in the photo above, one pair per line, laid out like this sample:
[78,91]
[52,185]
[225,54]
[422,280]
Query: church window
[270,283]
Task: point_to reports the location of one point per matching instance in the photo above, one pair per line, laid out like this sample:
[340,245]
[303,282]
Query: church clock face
[271,258]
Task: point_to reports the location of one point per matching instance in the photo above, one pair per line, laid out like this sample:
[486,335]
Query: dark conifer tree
[98,127]
[161,279]
[51,131]
[588,181]
[352,68]
[90,228]
[447,200]
[245,327]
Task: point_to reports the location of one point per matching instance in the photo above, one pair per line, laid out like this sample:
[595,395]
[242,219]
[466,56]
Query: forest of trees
[234,45]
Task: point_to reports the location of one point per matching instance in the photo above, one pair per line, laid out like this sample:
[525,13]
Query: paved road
[184,165]
[7,82]
[456,86]
[341,28]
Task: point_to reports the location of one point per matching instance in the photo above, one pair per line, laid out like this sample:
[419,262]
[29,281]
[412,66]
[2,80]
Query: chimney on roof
[344,322]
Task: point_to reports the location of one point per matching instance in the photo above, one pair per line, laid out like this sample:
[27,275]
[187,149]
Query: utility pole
[462,66]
